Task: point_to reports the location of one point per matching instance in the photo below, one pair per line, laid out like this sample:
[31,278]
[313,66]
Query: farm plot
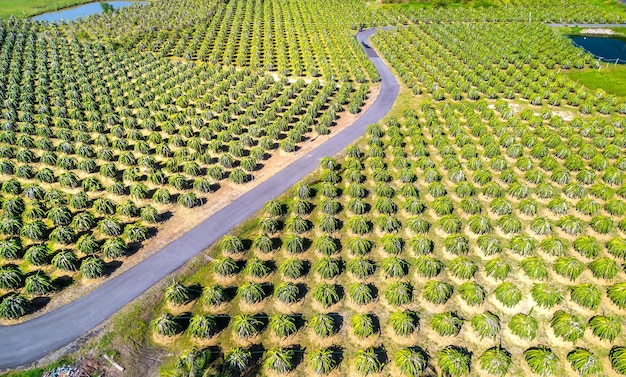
[550,11]
[458,240]
[493,60]
[97,143]
[301,38]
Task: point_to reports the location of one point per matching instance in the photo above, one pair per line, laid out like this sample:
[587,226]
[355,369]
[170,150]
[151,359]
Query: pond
[74,13]
[608,49]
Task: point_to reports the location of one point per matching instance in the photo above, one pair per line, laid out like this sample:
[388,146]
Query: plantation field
[27,8]
[478,230]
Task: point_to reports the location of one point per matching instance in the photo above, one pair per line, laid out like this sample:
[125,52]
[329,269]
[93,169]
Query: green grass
[37,372]
[27,8]
[612,78]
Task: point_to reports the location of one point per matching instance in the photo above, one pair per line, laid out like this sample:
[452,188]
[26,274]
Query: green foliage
[617,355]
[13,306]
[524,325]
[617,294]
[404,323]
[323,325]
[497,268]
[495,361]
[279,360]
[399,293]
[251,293]
[322,361]
[362,325]
[567,326]
[604,268]
[585,363]
[462,268]
[472,293]
[367,362]
[428,266]
[586,295]
[486,325]
[165,325]
[245,326]
[605,327]
[326,294]
[541,360]
[411,362]
[454,361]
[437,292]
[283,325]
[569,267]
[177,293]
[508,294]
[446,324]
[546,295]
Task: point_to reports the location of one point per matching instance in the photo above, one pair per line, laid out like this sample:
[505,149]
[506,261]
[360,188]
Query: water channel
[80,11]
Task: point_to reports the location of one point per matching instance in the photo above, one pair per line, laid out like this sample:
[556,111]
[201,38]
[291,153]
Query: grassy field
[27,8]
[612,78]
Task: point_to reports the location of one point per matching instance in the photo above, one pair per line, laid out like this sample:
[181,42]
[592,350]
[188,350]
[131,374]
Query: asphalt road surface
[27,342]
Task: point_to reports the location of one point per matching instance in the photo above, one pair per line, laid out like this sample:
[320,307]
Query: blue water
[604,48]
[80,11]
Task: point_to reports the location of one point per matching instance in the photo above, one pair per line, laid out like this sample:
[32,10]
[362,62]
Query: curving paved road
[27,342]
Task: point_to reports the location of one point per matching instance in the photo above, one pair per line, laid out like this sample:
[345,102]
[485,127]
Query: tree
[165,325]
[237,359]
[455,361]
[546,295]
[323,325]
[462,268]
[322,361]
[361,267]
[65,260]
[605,327]
[367,361]
[524,325]
[246,326]
[404,323]
[251,293]
[92,267]
[486,325]
[508,294]
[14,306]
[283,325]
[287,292]
[428,266]
[541,360]
[201,326]
[214,295]
[38,284]
[412,361]
[394,267]
[585,363]
[472,293]
[495,361]
[177,293]
[292,268]
[328,267]
[326,294]
[363,325]
[586,295]
[361,293]
[279,360]
[437,292]
[399,293]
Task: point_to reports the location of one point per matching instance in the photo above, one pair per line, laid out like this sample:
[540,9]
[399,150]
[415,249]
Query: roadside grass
[37,372]
[611,78]
[27,8]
